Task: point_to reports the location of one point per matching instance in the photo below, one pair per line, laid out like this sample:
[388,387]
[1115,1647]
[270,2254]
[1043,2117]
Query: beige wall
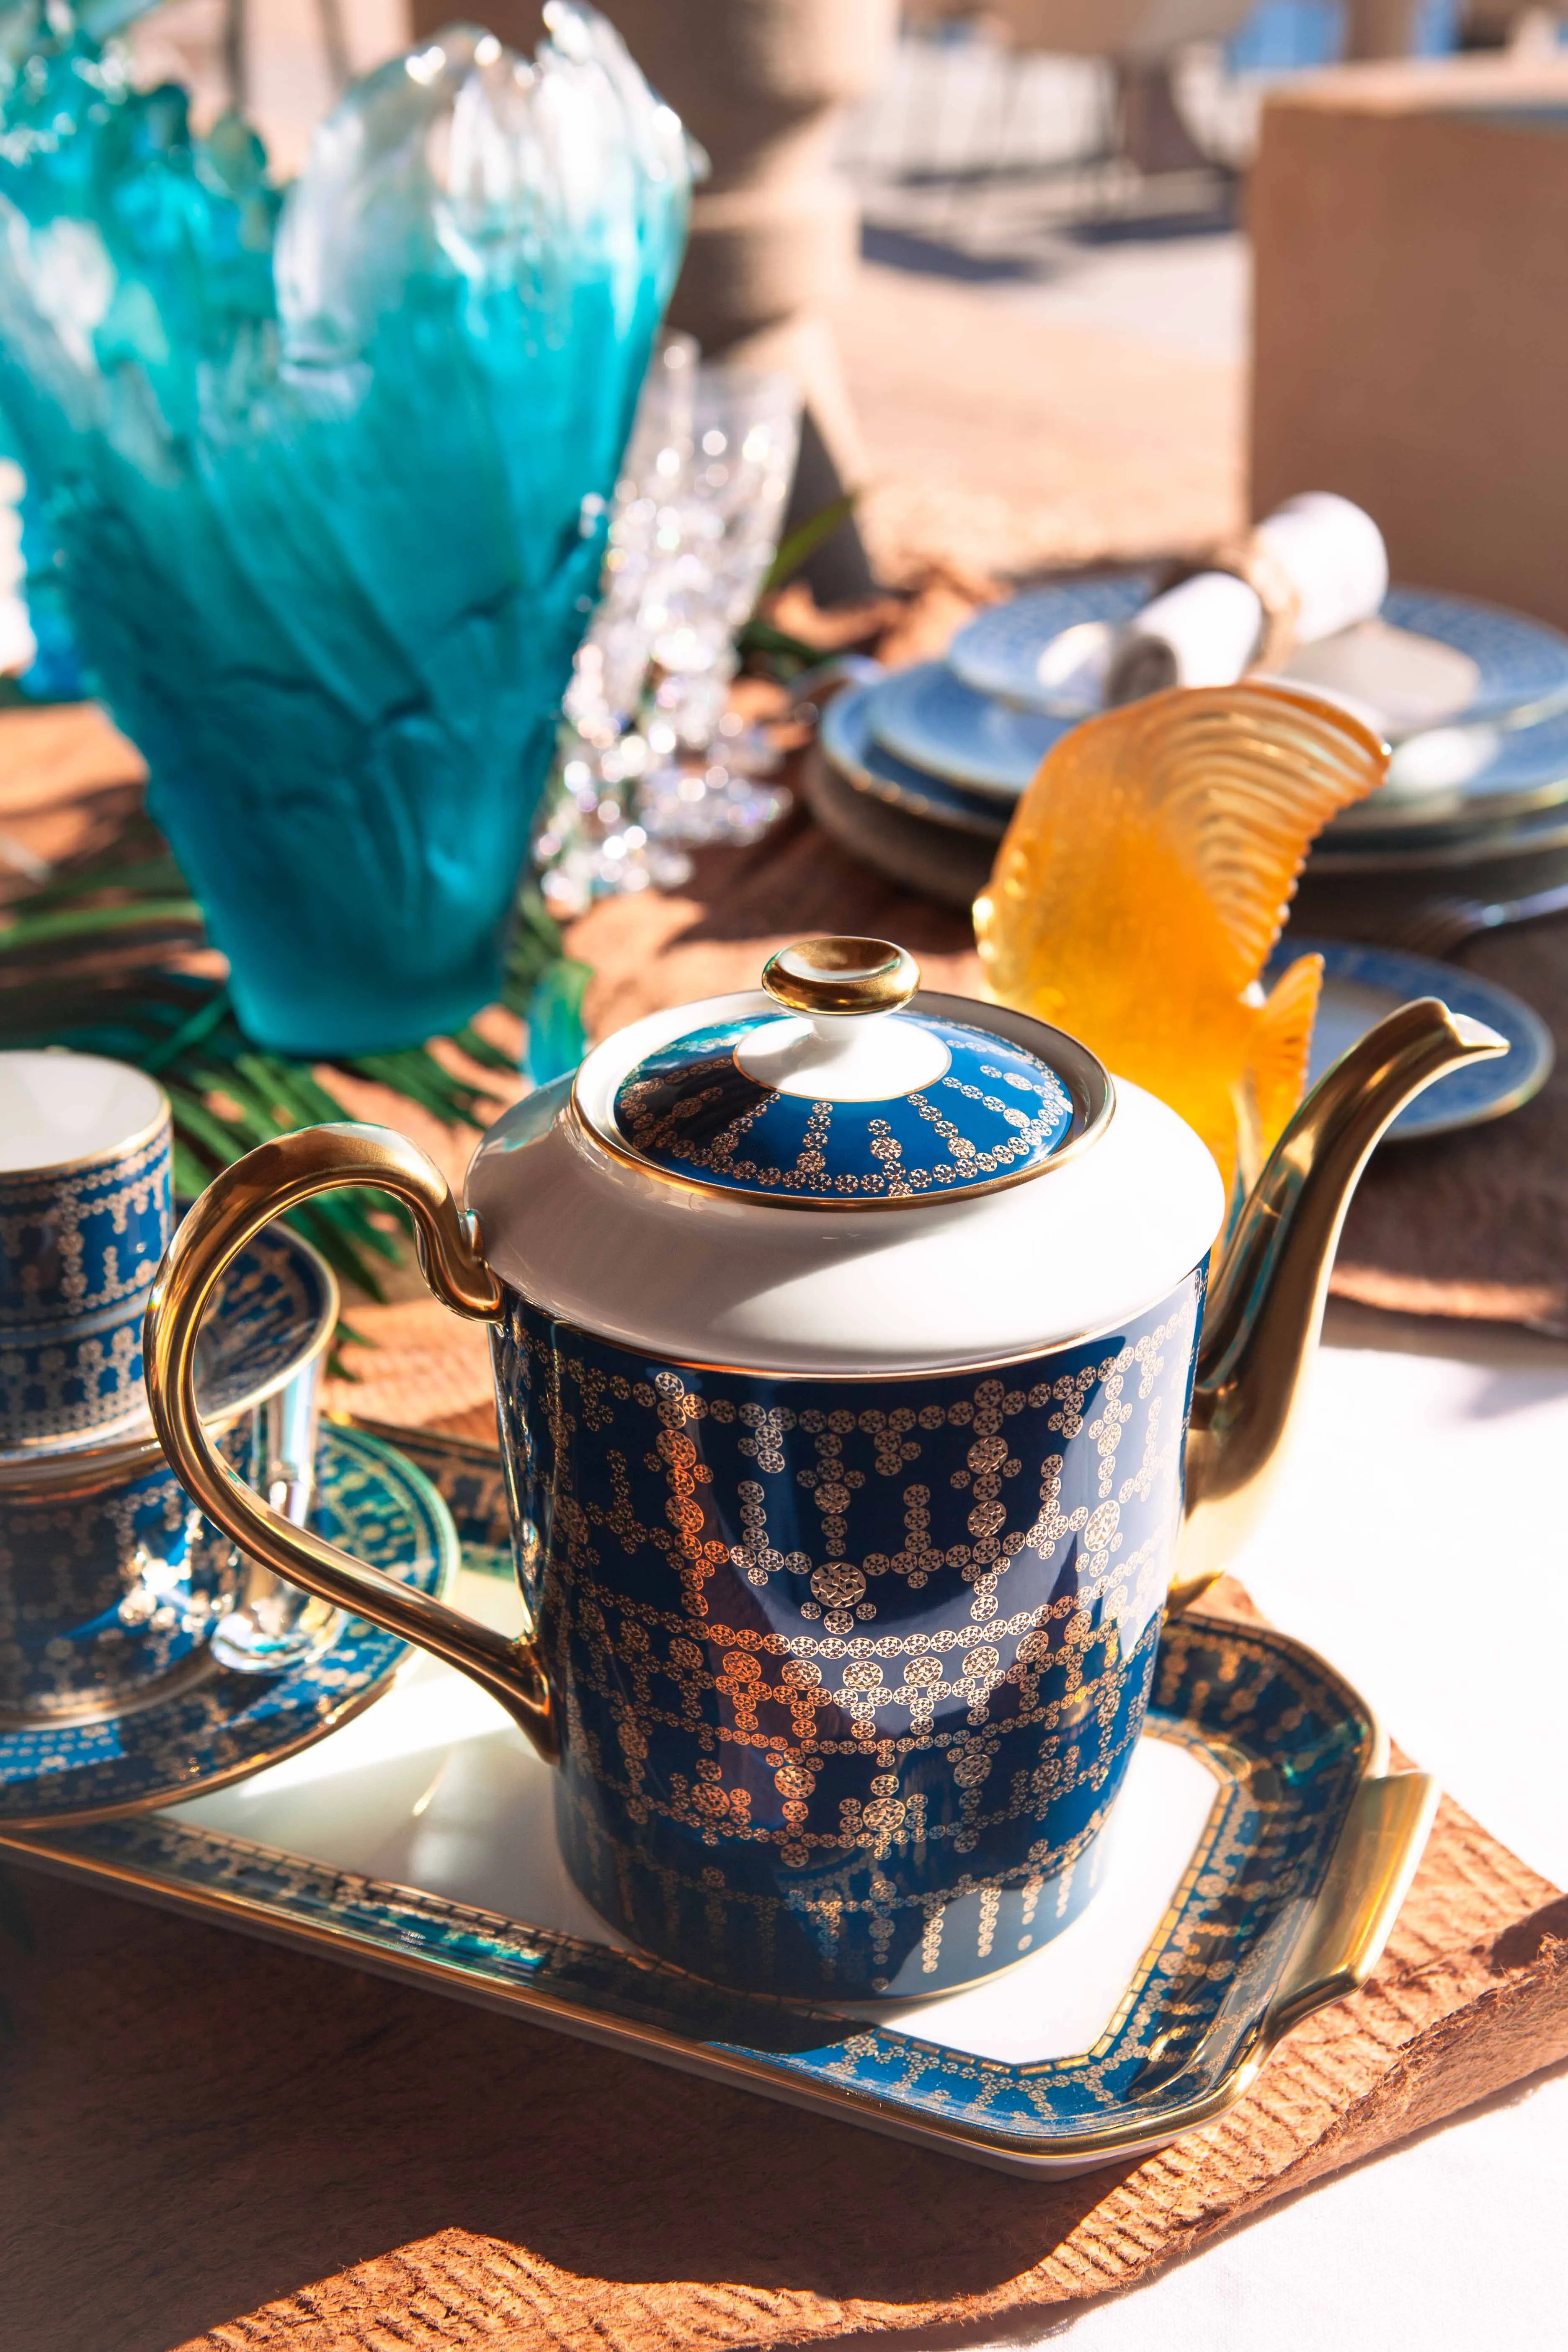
[1411,337]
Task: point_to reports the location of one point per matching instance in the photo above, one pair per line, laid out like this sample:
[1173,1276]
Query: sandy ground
[1010,435]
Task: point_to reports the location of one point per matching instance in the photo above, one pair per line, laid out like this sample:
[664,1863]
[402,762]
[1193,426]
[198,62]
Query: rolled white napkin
[1326,565]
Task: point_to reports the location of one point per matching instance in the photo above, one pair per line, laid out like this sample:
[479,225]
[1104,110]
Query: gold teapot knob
[843,976]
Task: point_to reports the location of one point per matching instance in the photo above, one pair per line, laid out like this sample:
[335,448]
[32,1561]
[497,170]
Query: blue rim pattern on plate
[373,1503]
[1466,1097]
[850,747]
[929,719]
[1522,771]
[1294,1752]
[997,651]
[1523,663]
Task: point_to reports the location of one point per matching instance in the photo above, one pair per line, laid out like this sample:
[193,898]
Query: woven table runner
[211,2143]
[1472,1225]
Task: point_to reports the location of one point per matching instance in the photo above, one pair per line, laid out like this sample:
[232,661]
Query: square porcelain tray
[1261,1852]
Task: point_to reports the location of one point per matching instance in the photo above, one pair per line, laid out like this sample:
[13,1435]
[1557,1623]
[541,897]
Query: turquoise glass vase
[328,474]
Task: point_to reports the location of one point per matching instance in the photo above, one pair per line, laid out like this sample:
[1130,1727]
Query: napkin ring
[1248,558]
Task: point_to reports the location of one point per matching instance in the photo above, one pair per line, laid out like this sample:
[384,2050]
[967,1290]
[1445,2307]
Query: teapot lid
[839,1097]
[589,1200]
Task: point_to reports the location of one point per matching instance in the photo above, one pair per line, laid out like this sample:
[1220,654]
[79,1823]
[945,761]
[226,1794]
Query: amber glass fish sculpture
[1143,882]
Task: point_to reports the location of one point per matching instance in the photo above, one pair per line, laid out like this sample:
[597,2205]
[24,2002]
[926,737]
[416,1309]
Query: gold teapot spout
[1266,1304]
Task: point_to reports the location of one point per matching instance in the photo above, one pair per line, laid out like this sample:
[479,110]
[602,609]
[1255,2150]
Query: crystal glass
[653,759]
[592,844]
[610,673]
[705,782]
[273,1624]
[328,474]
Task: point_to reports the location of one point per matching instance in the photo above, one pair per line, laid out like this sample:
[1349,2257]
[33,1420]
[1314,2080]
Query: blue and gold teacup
[114,1588]
[85,1212]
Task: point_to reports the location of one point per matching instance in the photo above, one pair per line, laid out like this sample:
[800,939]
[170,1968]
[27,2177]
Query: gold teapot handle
[268,1182]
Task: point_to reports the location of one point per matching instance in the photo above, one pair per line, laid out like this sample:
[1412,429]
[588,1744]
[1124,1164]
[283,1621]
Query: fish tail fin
[1277,1065]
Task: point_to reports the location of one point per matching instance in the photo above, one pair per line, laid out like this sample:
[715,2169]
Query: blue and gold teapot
[862,1417]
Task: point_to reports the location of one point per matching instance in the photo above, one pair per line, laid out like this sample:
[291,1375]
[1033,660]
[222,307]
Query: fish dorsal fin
[1239,780]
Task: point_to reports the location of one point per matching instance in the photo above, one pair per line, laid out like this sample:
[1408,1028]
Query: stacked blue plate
[1479,771]
[921,768]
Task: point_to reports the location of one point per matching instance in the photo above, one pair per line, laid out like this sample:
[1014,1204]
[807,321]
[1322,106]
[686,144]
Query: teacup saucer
[208,1727]
[274,1312]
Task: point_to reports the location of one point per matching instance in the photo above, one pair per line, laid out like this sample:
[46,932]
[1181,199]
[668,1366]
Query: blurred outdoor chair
[1142,39]
[1138,41]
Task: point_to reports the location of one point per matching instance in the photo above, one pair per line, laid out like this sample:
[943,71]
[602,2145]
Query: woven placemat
[209,2142]
[1473,1227]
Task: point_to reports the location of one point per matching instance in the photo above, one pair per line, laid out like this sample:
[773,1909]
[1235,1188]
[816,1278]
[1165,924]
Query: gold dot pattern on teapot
[900,1634]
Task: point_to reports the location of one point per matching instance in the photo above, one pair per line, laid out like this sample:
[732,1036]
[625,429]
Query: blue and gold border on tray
[1284,1906]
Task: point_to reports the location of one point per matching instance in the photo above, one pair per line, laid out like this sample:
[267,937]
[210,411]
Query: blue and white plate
[375,1504]
[929,719]
[1362,984]
[1477,860]
[850,747]
[1521,665]
[1444,783]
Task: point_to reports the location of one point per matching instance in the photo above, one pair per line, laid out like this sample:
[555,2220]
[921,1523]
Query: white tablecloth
[1420,1540]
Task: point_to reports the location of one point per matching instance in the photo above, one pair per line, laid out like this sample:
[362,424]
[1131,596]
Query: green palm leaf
[94,959]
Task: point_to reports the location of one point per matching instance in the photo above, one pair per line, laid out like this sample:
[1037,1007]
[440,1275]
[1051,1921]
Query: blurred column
[1381,29]
[1387,28]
